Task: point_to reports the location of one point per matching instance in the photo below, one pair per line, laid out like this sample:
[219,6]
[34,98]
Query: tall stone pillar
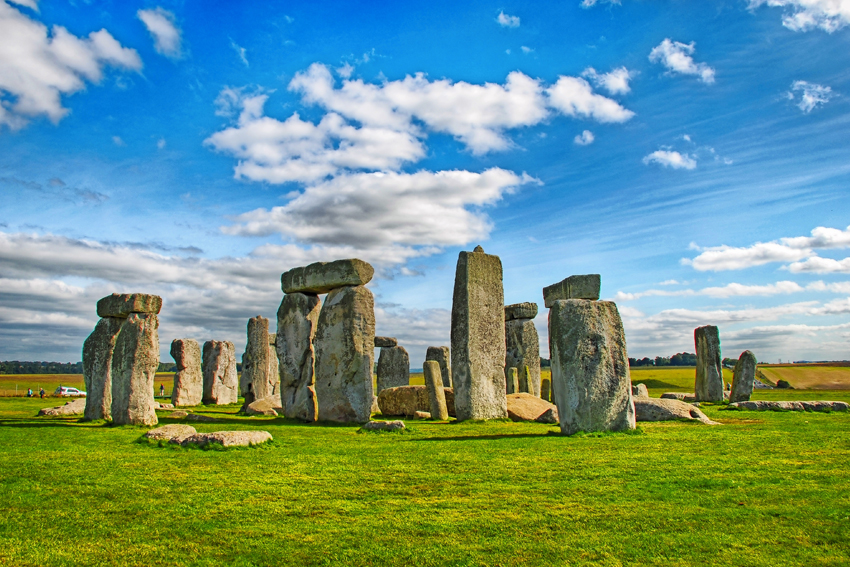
[523,345]
[743,377]
[134,364]
[296,326]
[393,368]
[254,384]
[441,355]
[97,367]
[189,379]
[436,393]
[708,384]
[221,382]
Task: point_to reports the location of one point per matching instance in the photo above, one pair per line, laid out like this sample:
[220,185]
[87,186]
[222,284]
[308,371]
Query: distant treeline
[40,367]
[679,359]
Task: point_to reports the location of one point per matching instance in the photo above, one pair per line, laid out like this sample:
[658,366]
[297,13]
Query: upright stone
[523,351]
[393,368]
[511,380]
[743,377]
[134,364]
[574,287]
[97,367]
[441,355]
[254,383]
[189,379]
[345,347]
[708,385]
[478,337]
[544,390]
[122,304]
[323,277]
[221,382]
[296,326]
[590,367]
[274,366]
[436,393]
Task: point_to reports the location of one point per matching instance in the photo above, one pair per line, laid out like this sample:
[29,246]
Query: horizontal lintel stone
[322,277]
[574,287]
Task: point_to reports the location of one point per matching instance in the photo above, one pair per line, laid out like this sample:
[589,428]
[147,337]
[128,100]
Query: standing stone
[393,368]
[441,355]
[322,277]
[134,364]
[574,287]
[478,337]
[544,390]
[254,383]
[743,377]
[523,350]
[590,367]
[511,380]
[296,327]
[97,367]
[708,386]
[221,382]
[189,379]
[274,368]
[385,342]
[436,393]
[345,351]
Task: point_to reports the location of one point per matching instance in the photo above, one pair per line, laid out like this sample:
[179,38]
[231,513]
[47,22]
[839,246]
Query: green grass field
[814,376]
[763,489]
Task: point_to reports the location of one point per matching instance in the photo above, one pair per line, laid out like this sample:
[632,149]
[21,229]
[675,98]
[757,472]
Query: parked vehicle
[66,392]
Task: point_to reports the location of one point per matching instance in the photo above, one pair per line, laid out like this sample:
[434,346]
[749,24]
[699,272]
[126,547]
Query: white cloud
[118,141]
[592,3]
[526,49]
[584,139]
[39,67]
[728,290]
[573,96]
[671,159]
[345,71]
[805,15]
[615,82]
[812,95]
[818,265]
[677,58]
[507,21]
[241,52]
[166,35]
[161,143]
[789,249]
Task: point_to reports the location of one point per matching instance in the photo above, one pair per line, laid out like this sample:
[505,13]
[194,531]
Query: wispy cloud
[584,139]
[507,21]
[167,37]
[671,159]
[616,82]
[241,52]
[676,57]
[806,15]
[811,95]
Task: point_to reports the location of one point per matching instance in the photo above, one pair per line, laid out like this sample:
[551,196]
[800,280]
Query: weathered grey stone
[393,368]
[442,356]
[654,409]
[590,366]
[574,287]
[97,367]
[260,376]
[436,392]
[134,363]
[383,426]
[708,386]
[296,326]
[323,277]
[383,342]
[819,406]
[221,382]
[511,380]
[525,310]
[122,304]
[545,391]
[681,396]
[345,347]
[201,418]
[422,415]
[743,377]
[523,351]
[75,407]
[174,432]
[160,405]
[639,391]
[228,438]
[267,406]
[178,414]
[272,339]
[407,400]
[523,406]
[188,387]
[478,337]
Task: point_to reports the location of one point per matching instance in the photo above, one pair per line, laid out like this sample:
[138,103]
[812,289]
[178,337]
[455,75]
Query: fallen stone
[97,367]
[681,396]
[228,438]
[816,406]
[383,342]
[134,363]
[708,385]
[323,277]
[407,400]
[478,337]
[160,405]
[75,407]
[590,367]
[442,356]
[179,414]
[221,382]
[743,377]
[383,425]
[654,409]
[174,432]
[574,287]
[267,406]
[545,391]
[522,350]
[421,415]
[528,407]
[511,380]
[393,368]
[189,379]
[201,418]
[436,391]
[345,350]
[122,304]
[296,326]
[639,391]
[525,310]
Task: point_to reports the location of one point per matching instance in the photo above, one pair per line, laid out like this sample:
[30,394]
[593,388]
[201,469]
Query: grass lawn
[763,489]
[814,376]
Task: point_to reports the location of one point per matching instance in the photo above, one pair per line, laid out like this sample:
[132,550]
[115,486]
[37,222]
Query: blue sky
[694,154]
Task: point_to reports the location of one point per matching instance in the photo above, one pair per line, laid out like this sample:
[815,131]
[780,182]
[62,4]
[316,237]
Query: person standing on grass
[161,390]
[29,392]
[41,393]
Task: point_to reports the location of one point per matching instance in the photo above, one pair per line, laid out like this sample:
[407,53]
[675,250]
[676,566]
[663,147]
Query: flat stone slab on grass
[267,406]
[407,400]
[322,277]
[681,396]
[655,409]
[75,407]
[122,304]
[228,438]
[201,418]
[527,407]
[574,287]
[175,432]
[525,310]
[820,406]
[383,426]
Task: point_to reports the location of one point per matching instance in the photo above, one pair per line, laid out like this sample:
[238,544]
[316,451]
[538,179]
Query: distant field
[52,381]
[810,376]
